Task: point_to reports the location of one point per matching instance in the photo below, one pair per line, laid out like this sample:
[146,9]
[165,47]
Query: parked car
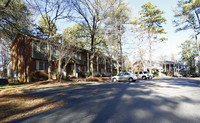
[177,75]
[125,76]
[144,75]
[194,75]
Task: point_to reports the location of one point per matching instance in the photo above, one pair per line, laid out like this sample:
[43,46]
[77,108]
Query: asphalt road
[167,100]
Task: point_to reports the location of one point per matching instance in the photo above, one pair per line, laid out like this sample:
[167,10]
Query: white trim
[37,65]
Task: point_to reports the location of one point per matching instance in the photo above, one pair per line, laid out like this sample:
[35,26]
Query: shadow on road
[143,101]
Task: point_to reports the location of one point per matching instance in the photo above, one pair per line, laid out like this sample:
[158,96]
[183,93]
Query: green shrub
[73,77]
[3,81]
[38,76]
[98,75]
[170,73]
[87,74]
[164,73]
[82,75]
[104,75]
[156,73]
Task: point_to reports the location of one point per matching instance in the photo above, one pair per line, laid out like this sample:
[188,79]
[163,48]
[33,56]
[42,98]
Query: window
[43,65]
[102,70]
[40,65]
[120,74]
[46,66]
[136,72]
[79,56]
[42,47]
[145,72]
[126,74]
[54,50]
[75,56]
[85,69]
[140,72]
[37,46]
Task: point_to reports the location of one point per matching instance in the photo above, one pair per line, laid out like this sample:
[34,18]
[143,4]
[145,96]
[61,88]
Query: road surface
[169,100]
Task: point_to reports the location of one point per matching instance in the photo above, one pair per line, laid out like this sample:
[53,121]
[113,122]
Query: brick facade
[26,59]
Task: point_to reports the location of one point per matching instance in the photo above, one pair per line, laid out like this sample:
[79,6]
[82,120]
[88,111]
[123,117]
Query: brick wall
[22,63]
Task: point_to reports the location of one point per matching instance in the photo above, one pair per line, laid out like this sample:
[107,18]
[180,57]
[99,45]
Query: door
[120,76]
[140,74]
[126,76]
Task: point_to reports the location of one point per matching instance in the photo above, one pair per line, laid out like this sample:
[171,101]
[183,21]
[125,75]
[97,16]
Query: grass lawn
[15,104]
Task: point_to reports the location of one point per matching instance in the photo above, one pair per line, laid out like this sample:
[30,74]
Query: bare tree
[4,54]
[140,35]
[163,57]
[127,63]
[91,13]
[51,11]
[66,50]
[118,16]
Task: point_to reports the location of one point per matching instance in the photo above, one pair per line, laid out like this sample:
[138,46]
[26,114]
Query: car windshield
[126,74]
[120,74]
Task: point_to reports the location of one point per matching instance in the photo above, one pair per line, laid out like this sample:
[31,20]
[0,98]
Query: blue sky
[174,38]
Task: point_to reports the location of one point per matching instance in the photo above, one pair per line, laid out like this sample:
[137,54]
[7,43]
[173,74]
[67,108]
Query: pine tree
[151,21]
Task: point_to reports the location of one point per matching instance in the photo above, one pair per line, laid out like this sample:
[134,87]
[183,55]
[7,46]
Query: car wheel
[144,77]
[114,80]
[130,79]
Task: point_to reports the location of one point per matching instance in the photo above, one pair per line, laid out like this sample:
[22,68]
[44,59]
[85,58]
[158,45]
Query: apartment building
[28,55]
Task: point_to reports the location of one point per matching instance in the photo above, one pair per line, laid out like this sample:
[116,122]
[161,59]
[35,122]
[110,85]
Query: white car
[144,75]
[177,75]
[125,76]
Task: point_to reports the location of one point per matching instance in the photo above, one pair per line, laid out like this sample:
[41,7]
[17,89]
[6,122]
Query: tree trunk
[91,65]
[121,58]
[59,70]
[111,71]
[105,67]
[49,60]
[92,56]
[197,42]
[97,64]
[117,67]
[198,51]
[150,58]
[74,71]
[88,63]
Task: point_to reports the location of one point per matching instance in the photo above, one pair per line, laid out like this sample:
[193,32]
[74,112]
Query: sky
[174,38]
[169,47]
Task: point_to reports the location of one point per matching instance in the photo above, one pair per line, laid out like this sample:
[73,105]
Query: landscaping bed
[15,104]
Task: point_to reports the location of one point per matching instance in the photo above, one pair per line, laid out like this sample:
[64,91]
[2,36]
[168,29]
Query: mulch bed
[15,104]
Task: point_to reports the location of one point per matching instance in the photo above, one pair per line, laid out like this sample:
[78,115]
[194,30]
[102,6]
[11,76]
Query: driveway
[170,100]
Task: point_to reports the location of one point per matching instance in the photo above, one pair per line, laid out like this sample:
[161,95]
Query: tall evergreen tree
[47,27]
[188,54]
[115,24]
[91,14]
[151,21]
[14,18]
[187,17]
[50,12]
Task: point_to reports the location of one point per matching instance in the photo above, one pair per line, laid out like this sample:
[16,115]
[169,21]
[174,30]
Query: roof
[157,62]
[38,39]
